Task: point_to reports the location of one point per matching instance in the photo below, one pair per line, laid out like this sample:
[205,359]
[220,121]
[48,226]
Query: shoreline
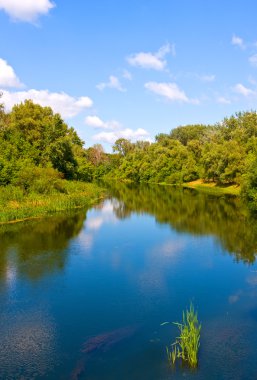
[212,188]
[208,187]
[35,206]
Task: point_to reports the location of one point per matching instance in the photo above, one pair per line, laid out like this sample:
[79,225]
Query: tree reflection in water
[41,243]
[185,210]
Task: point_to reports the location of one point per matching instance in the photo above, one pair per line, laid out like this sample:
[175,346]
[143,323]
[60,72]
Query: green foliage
[187,343]
[171,163]
[33,136]
[32,179]
[188,133]
[122,146]
[17,204]
[220,153]
[223,162]
[38,149]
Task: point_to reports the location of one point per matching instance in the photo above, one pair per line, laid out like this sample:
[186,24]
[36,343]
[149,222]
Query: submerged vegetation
[187,344]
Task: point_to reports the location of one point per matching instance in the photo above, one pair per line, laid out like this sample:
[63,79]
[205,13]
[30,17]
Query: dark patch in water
[101,343]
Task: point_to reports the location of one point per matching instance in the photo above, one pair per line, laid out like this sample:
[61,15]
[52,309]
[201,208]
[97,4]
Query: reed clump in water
[187,344]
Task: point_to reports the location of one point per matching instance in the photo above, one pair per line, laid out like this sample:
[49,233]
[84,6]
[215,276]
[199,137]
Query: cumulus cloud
[26,10]
[8,78]
[113,130]
[238,41]
[112,83]
[242,90]
[170,91]
[96,122]
[60,102]
[253,60]
[154,61]
[127,133]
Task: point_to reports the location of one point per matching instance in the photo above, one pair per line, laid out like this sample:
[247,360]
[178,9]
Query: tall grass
[15,204]
[187,343]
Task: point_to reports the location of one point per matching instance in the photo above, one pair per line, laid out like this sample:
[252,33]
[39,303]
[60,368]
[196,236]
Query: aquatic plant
[187,343]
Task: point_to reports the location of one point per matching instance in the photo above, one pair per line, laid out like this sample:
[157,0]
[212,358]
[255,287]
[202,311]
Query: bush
[39,180]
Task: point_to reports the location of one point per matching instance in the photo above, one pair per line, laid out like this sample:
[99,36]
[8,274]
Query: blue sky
[130,68]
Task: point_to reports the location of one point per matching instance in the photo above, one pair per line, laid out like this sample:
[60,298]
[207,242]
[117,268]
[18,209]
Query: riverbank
[212,188]
[15,206]
[208,187]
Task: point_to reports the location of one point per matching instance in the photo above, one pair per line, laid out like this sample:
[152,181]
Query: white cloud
[154,61]
[170,91]
[238,41]
[223,100]
[112,83]
[95,223]
[86,240]
[96,122]
[166,49]
[26,10]
[242,90]
[60,102]
[253,60]
[130,134]
[127,75]
[8,78]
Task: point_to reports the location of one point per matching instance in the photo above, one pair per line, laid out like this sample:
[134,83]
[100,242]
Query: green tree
[122,146]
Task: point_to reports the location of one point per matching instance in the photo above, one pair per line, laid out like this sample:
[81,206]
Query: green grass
[15,205]
[187,343]
[214,189]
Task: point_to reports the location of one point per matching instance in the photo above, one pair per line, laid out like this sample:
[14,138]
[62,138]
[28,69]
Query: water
[103,281]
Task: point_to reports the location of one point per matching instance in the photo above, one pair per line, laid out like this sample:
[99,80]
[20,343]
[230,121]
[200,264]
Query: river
[84,295]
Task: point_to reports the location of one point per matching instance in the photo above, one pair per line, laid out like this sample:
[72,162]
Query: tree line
[224,153]
[38,149]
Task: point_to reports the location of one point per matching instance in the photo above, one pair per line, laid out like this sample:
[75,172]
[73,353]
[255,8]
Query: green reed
[187,343]
[15,205]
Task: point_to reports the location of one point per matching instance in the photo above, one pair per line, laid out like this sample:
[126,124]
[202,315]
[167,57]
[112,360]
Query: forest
[40,153]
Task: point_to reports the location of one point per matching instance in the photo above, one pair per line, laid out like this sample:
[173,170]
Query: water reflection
[42,244]
[136,258]
[193,212]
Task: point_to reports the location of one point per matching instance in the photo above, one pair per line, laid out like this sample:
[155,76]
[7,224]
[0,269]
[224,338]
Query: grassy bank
[208,187]
[212,188]
[15,205]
